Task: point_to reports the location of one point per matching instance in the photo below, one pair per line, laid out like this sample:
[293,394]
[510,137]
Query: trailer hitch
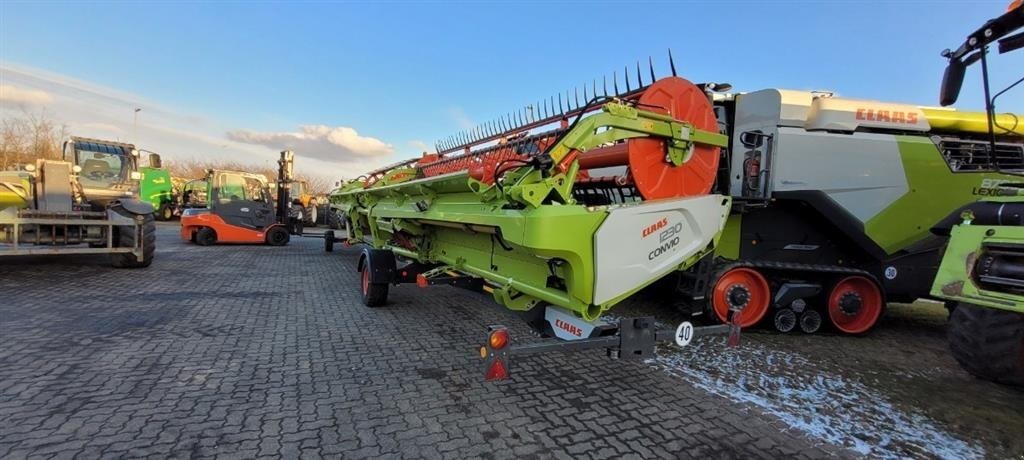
[634,339]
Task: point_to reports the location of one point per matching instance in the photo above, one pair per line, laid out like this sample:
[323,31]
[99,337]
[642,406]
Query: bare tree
[28,137]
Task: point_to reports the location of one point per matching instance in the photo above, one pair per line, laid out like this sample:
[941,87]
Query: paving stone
[249,351]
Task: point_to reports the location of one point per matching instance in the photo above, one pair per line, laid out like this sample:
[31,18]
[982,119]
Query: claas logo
[495,353]
[888,116]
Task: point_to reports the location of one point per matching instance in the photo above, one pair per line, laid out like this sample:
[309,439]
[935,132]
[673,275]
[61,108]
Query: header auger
[540,210]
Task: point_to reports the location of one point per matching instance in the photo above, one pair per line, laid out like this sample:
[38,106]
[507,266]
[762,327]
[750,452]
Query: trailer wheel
[277,236]
[745,288]
[988,343]
[329,241]
[855,305]
[206,236]
[374,294]
[126,237]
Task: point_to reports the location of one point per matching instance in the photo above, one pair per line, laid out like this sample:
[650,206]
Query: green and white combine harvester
[86,204]
[800,209]
[982,272]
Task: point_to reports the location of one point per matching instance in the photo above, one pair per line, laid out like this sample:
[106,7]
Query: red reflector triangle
[496,371]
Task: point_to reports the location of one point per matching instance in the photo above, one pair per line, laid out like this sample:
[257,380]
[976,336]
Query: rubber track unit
[770,266]
[988,343]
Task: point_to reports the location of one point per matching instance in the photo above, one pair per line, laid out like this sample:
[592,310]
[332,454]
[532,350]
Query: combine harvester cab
[559,212]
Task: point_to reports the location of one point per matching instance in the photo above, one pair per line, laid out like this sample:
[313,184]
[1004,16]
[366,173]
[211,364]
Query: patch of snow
[825,406]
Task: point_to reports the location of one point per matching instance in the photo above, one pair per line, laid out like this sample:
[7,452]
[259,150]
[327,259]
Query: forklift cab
[241,199]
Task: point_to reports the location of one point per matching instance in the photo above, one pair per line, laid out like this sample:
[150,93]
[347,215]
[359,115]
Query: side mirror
[751,139]
[154,160]
[952,80]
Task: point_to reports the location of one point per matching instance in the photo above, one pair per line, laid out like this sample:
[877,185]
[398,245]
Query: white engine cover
[640,243]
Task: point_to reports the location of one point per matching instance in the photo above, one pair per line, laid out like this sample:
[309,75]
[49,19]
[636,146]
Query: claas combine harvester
[559,213]
[790,207]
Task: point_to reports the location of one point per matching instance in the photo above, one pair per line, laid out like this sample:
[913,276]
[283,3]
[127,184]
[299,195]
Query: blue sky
[402,72]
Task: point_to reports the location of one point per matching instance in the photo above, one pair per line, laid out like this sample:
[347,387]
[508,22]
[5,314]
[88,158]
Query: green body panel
[461,231]
[15,189]
[527,238]
[954,281]
[728,246]
[934,192]
[155,187]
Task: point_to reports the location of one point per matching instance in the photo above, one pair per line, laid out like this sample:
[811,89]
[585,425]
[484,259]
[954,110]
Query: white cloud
[92,126]
[420,146]
[461,119]
[340,144]
[93,110]
[10,94]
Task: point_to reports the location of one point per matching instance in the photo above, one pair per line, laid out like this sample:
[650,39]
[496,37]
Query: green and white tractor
[44,211]
[982,271]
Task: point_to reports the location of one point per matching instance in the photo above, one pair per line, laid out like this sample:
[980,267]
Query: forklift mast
[285,175]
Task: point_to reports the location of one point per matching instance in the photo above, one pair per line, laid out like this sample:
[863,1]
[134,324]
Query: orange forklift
[240,209]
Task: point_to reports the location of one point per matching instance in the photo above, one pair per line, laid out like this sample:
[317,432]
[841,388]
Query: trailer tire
[988,343]
[125,237]
[329,241]
[374,294]
[206,236]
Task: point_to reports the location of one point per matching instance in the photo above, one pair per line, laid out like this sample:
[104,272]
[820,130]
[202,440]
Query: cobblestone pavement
[244,351]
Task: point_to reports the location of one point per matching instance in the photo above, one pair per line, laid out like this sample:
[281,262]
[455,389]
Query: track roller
[855,305]
[810,321]
[785,320]
[743,289]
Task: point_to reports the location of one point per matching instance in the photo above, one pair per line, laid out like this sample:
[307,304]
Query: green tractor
[982,270]
[157,189]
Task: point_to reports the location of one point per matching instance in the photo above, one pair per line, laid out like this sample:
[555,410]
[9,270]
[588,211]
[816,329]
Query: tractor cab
[109,170]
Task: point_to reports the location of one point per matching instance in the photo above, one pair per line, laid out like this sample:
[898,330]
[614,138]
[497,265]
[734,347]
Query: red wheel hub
[745,289]
[855,304]
[366,280]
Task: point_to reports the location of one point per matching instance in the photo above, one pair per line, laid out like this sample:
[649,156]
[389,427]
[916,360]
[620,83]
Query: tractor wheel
[165,212]
[855,305]
[374,294]
[988,343]
[277,236]
[743,288]
[206,236]
[329,241]
[309,216]
[333,219]
[126,237]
